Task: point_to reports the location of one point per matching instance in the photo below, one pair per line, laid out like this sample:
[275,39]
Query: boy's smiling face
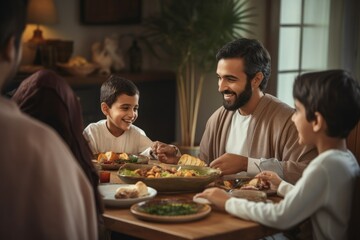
[122,113]
[303,126]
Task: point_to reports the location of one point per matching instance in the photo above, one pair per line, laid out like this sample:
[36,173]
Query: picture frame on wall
[110,11]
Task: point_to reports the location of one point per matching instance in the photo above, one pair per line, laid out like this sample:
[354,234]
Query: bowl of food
[112,161]
[78,66]
[169,178]
[244,182]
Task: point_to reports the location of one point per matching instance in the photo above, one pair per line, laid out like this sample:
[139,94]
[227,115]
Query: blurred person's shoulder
[27,139]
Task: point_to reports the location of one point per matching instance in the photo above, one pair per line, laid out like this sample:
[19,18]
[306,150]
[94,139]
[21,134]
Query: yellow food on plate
[102,158]
[78,61]
[111,156]
[159,172]
[187,159]
[124,156]
[256,184]
[135,191]
[107,157]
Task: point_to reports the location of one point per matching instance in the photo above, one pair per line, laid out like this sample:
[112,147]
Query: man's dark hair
[12,21]
[114,86]
[256,58]
[334,94]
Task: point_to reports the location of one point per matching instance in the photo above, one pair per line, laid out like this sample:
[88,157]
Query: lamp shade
[41,12]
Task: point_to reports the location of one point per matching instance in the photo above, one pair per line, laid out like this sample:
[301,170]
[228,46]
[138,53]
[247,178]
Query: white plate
[108,193]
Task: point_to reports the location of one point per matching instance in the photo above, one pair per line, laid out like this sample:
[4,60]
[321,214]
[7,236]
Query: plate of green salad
[170,210]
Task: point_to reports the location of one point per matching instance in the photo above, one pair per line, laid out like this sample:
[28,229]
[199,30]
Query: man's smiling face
[233,83]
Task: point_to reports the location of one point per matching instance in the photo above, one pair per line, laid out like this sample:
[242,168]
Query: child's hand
[270,177]
[216,196]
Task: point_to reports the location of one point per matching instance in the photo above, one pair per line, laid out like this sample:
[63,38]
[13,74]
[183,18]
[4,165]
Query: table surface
[217,225]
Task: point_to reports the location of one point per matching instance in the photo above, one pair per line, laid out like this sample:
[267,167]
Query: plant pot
[193,151]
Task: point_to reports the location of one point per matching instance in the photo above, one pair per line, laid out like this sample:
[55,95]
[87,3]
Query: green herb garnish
[171,209]
[133,159]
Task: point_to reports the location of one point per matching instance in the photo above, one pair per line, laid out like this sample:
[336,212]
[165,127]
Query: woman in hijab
[48,98]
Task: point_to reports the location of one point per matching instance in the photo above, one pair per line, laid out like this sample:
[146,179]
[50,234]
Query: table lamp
[40,12]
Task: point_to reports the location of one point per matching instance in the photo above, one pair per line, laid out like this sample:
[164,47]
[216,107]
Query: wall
[69,27]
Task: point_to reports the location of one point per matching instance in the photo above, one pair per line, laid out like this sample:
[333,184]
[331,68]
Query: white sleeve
[284,188]
[293,209]
[90,140]
[145,144]
[252,169]
[147,152]
[272,164]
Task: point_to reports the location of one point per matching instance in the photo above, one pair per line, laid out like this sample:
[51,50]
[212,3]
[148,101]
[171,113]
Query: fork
[258,167]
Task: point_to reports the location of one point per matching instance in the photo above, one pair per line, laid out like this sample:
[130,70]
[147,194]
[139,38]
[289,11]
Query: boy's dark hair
[114,86]
[256,57]
[12,21]
[334,94]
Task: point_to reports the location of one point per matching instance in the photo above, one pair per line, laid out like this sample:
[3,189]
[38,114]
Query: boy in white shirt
[327,109]
[119,99]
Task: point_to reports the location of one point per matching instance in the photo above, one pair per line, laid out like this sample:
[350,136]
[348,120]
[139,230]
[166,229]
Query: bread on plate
[134,191]
[187,159]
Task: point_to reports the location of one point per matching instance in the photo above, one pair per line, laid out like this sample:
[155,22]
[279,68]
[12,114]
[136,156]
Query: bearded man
[252,130]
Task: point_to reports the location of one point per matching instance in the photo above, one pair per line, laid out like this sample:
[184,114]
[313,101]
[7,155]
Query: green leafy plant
[189,33]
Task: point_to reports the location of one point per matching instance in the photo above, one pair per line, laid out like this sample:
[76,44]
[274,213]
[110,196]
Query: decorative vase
[135,57]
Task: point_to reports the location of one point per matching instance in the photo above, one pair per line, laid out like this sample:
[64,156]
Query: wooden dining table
[216,225]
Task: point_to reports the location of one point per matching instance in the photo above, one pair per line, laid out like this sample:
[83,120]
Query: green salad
[171,209]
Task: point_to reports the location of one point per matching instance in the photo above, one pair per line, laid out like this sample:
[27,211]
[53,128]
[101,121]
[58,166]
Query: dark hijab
[48,98]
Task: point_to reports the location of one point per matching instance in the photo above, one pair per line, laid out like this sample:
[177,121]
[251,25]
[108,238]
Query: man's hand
[230,163]
[165,153]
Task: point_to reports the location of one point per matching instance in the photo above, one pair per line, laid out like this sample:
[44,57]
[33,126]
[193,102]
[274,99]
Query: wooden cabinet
[157,104]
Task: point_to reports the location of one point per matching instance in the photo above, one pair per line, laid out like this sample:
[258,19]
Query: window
[303,42]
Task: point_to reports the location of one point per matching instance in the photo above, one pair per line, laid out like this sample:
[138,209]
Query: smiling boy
[119,99]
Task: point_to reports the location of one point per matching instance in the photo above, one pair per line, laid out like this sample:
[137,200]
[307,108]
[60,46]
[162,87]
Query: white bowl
[108,193]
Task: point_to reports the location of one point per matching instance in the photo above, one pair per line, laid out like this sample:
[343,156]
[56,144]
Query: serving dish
[108,194]
[115,165]
[170,184]
[234,182]
[251,195]
[170,210]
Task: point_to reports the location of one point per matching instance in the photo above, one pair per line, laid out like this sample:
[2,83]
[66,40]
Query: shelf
[145,76]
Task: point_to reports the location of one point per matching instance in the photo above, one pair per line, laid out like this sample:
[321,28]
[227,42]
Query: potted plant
[189,33]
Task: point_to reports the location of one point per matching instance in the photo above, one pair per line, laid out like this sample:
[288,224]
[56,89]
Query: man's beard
[240,100]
